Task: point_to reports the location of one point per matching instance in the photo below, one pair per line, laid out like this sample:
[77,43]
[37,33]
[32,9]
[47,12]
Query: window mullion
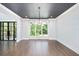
[41,29]
[35,29]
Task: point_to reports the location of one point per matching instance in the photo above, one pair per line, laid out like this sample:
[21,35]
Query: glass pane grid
[7,27]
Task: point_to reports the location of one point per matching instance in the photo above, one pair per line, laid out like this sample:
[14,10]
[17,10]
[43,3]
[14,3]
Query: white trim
[39,38]
[50,19]
[36,39]
[18,41]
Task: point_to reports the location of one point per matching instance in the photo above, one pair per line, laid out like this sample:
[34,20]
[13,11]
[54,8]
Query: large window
[39,29]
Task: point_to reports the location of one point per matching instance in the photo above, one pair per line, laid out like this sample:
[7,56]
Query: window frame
[42,24]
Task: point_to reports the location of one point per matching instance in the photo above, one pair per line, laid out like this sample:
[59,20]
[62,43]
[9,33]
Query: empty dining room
[39,29]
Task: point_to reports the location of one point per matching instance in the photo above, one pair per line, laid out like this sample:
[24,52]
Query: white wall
[68,28]
[6,17]
[52,29]
[25,28]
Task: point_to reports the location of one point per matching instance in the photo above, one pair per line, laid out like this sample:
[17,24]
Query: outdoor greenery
[33,30]
[44,29]
[39,29]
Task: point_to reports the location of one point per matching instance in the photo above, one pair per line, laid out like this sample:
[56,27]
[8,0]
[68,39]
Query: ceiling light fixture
[51,16]
[26,17]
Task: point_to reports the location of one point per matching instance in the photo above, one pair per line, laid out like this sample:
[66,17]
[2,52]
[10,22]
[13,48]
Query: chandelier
[39,15]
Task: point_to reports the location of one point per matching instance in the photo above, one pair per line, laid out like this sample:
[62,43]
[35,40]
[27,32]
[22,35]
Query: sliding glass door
[7,30]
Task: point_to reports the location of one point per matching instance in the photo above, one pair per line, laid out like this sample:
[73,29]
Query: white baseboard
[36,38]
[18,41]
[40,38]
[76,51]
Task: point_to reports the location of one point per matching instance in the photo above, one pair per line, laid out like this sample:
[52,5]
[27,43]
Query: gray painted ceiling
[31,9]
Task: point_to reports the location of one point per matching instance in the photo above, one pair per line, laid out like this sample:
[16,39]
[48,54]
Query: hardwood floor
[34,48]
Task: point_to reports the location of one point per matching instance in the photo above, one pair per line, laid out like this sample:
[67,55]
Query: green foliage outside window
[44,29]
[39,29]
[33,30]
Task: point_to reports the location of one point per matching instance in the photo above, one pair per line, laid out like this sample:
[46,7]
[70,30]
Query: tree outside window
[39,29]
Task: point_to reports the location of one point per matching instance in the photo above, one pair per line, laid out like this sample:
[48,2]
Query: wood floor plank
[35,48]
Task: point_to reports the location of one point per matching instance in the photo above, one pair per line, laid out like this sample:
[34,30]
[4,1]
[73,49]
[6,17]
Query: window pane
[1,33]
[10,24]
[2,24]
[5,24]
[33,30]
[5,29]
[44,29]
[38,29]
[1,28]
